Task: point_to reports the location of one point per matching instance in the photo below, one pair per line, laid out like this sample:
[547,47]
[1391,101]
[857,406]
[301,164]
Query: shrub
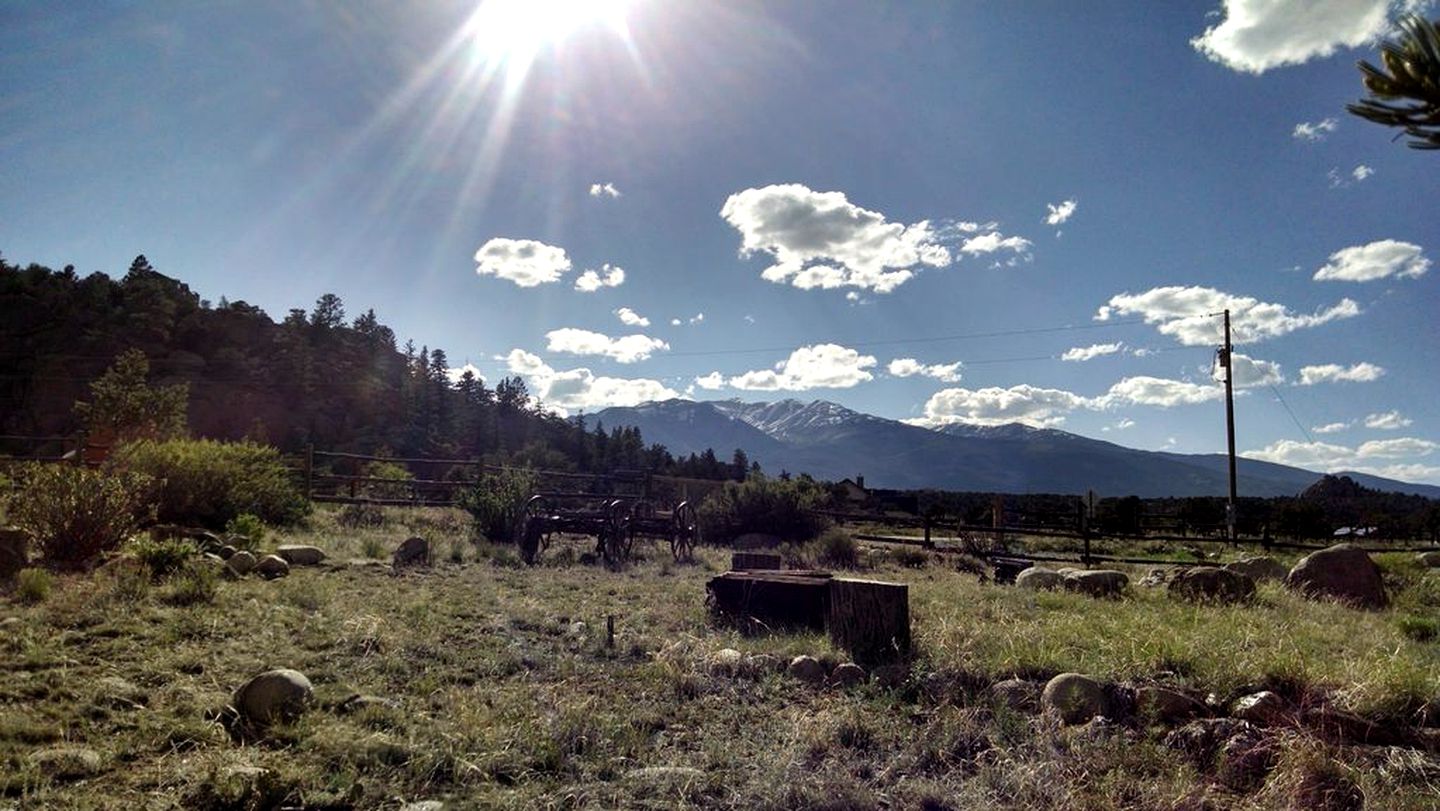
[497,502]
[196,584]
[208,483]
[396,484]
[838,549]
[759,504]
[911,557]
[33,586]
[359,516]
[249,527]
[163,557]
[74,513]
[373,548]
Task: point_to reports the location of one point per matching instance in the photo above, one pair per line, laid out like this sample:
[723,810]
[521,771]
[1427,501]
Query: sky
[932,212]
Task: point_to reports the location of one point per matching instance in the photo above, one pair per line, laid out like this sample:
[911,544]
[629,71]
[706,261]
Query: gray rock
[665,775]
[271,567]
[241,563]
[414,551]
[1073,697]
[726,662]
[1343,572]
[1263,708]
[1202,739]
[1037,578]
[1259,568]
[807,669]
[66,762]
[1165,706]
[1097,583]
[275,695]
[14,551]
[1204,584]
[1017,694]
[1428,559]
[848,674]
[1155,577]
[300,555]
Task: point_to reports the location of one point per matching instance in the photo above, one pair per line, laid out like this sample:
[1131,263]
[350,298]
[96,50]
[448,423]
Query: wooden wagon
[615,522]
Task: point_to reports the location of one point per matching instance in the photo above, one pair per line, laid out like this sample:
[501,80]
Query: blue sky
[856,197]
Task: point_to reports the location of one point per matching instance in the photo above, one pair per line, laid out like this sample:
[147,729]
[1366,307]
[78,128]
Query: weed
[836,548]
[163,557]
[361,516]
[196,584]
[33,586]
[1420,629]
[373,548]
[249,527]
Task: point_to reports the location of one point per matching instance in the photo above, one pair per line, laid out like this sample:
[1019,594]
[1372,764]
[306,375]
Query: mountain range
[829,441]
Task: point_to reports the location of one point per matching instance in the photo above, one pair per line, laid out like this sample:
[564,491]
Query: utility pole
[1229,426]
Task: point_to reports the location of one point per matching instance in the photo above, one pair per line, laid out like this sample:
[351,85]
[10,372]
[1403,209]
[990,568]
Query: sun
[510,33]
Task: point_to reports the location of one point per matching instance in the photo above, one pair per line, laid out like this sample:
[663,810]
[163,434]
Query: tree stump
[748,561]
[770,600]
[870,619]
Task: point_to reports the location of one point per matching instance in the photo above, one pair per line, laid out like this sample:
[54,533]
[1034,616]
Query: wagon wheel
[614,532]
[684,533]
[534,534]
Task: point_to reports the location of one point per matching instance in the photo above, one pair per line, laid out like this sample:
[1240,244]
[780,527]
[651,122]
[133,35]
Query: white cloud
[1084,353]
[604,190]
[909,367]
[1361,172]
[607,276]
[822,240]
[1396,448]
[996,406]
[675,322]
[810,367]
[996,241]
[1157,391]
[1388,421]
[1060,212]
[454,375]
[1374,457]
[1335,373]
[580,389]
[525,262]
[697,318]
[711,382]
[630,318]
[1249,372]
[1375,260]
[1306,131]
[1330,428]
[1257,35]
[625,349]
[1185,314]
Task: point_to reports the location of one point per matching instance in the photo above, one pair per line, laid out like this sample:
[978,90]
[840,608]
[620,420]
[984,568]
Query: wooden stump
[770,600]
[870,619]
[746,561]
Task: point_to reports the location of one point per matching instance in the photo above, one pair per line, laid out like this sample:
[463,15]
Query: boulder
[1155,577]
[66,762]
[1036,578]
[271,567]
[1428,559]
[241,562]
[726,662]
[1097,583]
[1259,568]
[807,669]
[1073,697]
[226,552]
[14,551]
[1165,706]
[300,555]
[1204,584]
[1263,708]
[1017,694]
[275,695]
[414,551]
[1343,572]
[848,674]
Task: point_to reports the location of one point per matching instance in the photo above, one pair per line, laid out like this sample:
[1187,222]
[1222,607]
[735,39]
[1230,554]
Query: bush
[207,483]
[497,502]
[838,549]
[33,586]
[163,557]
[75,513]
[196,584]
[760,504]
[359,516]
[249,527]
[397,480]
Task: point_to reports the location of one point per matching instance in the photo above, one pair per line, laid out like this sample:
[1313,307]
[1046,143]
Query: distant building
[852,492]
[1355,532]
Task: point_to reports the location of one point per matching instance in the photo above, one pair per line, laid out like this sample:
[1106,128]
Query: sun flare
[511,32]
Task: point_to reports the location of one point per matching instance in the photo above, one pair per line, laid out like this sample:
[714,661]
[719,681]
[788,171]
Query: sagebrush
[207,483]
[76,513]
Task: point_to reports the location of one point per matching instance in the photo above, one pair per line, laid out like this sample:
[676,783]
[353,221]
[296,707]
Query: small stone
[1259,568]
[1210,585]
[241,563]
[1097,583]
[1155,577]
[848,674]
[576,629]
[1246,760]
[272,566]
[1017,694]
[807,669]
[1166,706]
[1075,698]
[413,551]
[1037,578]
[1263,708]
[300,555]
[1200,740]
[726,662]
[274,695]
[66,762]
[424,805]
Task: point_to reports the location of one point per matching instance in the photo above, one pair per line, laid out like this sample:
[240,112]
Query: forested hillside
[317,376]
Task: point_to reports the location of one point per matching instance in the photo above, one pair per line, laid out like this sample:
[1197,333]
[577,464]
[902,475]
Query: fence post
[309,471]
[927,531]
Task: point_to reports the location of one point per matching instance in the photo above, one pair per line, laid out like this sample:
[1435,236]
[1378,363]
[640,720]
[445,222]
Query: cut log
[770,600]
[870,619]
[749,561]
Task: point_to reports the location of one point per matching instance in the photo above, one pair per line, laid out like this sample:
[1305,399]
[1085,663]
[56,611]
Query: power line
[1293,418]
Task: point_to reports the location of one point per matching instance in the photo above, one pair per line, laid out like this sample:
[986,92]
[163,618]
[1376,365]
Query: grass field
[502,692]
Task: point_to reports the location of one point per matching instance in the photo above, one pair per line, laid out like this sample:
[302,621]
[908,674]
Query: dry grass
[509,697]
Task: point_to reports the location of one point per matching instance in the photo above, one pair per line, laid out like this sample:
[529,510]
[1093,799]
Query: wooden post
[870,619]
[610,631]
[309,471]
[927,531]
